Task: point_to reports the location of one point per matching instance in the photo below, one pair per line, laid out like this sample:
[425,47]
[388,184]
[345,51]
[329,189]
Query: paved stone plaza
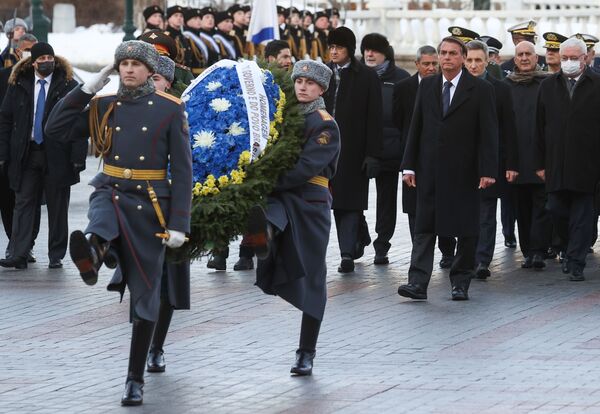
[526,342]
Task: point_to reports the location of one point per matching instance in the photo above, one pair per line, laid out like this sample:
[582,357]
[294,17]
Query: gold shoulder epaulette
[104,95]
[325,115]
[169,97]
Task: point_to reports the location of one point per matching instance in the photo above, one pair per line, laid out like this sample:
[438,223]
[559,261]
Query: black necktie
[446,96]
[572,81]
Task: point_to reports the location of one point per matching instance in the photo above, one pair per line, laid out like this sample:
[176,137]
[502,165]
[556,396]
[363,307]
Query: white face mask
[570,67]
[25,54]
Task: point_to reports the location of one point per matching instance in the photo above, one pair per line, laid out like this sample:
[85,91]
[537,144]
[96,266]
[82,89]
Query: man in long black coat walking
[354,100]
[453,147]
[568,150]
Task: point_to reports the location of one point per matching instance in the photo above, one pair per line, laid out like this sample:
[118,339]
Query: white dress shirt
[36,93]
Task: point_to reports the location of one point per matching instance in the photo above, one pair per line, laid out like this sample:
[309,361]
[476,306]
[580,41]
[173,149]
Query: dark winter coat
[568,133]
[508,157]
[450,153]
[524,97]
[296,270]
[16,122]
[392,150]
[358,114]
[405,95]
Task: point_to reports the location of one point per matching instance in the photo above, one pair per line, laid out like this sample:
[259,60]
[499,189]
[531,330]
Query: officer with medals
[136,210]
[552,46]
[319,49]
[520,32]
[290,237]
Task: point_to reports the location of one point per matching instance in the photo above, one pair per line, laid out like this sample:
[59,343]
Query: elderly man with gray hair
[568,149]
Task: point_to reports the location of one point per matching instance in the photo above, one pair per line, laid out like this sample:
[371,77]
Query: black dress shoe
[413,291]
[15,263]
[217,262]
[304,362]
[134,393]
[30,257]
[55,264]
[460,293]
[566,266]
[538,262]
[511,243]
[346,265]
[245,263]
[576,275]
[446,262]
[381,259]
[528,263]
[156,361]
[482,272]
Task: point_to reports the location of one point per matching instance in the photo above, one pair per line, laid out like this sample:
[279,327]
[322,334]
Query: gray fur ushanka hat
[314,70]
[137,50]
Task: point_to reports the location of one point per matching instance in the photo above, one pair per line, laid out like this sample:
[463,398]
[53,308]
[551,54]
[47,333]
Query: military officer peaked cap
[553,40]
[163,43]
[493,44]
[465,35]
[524,28]
[589,40]
[174,9]
[149,11]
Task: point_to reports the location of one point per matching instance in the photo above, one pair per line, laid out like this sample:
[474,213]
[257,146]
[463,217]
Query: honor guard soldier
[590,41]
[228,46]
[207,30]
[192,23]
[291,236]
[240,30]
[319,49]
[494,46]
[136,209]
[166,46]
[334,18]
[519,32]
[296,38]
[14,29]
[282,16]
[307,21]
[552,46]
[154,18]
[174,29]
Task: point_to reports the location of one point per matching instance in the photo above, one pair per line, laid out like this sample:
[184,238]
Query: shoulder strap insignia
[169,97]
[325,115]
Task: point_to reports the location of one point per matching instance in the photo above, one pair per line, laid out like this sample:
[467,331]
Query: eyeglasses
[571,58]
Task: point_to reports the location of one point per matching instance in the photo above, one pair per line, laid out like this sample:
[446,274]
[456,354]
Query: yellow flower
[244,159]
[237,176]
[223,181]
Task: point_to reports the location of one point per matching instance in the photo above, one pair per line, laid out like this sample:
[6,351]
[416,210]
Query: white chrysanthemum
[220,104]
[213,86]
[235,129]
[204,139]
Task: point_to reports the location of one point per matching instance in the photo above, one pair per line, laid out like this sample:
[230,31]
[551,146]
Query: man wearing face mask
[34,162]
[567,153]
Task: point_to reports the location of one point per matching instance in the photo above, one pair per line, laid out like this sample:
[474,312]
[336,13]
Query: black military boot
[260,232]
[156,358]
[304,362]
[217,261]
[140,342]
[87,252]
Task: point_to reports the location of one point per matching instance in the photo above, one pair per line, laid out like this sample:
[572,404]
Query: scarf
[527,77]
[380,69]
[307,108]
[131,94]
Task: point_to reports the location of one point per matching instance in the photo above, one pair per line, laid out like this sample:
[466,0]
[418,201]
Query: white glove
[175,240]
[96,82]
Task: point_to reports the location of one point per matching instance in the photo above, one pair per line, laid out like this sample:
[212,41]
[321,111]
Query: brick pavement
[526,342]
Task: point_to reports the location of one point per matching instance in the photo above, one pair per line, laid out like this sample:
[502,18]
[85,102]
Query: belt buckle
[127,173]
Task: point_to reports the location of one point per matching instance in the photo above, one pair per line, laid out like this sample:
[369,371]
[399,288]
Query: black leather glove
[77,168]
[372,167]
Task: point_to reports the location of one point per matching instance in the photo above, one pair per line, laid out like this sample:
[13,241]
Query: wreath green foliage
[219,218]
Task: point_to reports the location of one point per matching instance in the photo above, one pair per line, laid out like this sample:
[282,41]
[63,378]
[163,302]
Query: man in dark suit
[476,64]
[568,132]
[354,100]
[35,163]
[452,151]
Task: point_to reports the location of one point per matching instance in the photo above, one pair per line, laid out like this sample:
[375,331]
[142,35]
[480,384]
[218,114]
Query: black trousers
[508,213]
[34,183]
[487,230]
[447,245]
[7,205]
[573,216]
[387,208]
[411,226]
[351,227]
[421,260]
[535,224]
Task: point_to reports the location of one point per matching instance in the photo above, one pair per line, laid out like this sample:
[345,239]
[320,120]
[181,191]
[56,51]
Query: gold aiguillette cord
[159,214]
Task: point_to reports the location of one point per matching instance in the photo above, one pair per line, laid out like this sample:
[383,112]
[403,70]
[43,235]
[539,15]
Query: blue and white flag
[263,25]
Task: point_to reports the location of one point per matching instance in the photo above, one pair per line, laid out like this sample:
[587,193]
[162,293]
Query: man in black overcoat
[354,100]
[379,55]
[568,150]
[453,147]
[476,64]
